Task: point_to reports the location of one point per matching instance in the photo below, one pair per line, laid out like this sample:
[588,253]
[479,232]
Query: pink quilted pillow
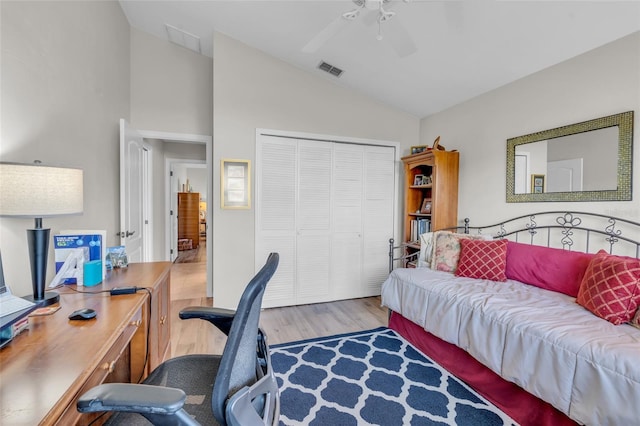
[611,287]
[482,259]
[549,268]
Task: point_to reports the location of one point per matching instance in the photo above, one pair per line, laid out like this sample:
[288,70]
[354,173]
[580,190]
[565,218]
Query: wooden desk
[45,369]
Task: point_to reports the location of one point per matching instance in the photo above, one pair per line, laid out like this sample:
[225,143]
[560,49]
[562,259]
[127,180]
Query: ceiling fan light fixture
[385,15]
[351,15]
[373,4]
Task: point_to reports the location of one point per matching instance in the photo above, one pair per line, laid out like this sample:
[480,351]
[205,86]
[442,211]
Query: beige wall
[65,85]
[170,87]
[253,90]
[598,83]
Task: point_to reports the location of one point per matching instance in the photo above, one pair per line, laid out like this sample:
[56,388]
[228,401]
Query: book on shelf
[419,227]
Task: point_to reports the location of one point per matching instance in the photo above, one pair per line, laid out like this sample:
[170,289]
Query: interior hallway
[188,288]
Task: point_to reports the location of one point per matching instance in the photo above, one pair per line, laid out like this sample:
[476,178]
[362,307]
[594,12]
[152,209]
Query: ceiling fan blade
[326,34]
[400,39]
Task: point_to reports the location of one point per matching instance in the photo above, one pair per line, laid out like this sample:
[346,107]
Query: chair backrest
[238,366]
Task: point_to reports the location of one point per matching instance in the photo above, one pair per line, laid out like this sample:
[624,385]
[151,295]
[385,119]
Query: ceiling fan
[398,36]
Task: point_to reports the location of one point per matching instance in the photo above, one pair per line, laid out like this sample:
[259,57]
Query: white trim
[328,138]
[175,137]
[147,202]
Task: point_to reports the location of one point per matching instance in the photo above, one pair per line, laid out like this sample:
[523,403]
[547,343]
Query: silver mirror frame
[625,161]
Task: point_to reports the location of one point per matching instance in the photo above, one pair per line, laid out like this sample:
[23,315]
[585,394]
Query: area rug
[373,377]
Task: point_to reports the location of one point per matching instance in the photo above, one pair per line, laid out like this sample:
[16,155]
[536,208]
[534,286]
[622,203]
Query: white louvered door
[379,194]
[327,208]
[313,221]
[346,241]
[276,189]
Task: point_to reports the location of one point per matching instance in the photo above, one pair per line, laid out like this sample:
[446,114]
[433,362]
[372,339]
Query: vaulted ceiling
[432,54]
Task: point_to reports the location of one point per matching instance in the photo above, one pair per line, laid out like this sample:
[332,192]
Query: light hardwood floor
[286,324]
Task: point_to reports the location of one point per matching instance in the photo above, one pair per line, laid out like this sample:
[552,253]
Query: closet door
[313,221]
[379,193]
[276,189]
[327,208]
[346,239]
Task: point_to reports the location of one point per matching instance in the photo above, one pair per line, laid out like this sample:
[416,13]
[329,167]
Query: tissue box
[92,273]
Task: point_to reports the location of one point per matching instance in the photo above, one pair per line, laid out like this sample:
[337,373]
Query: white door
[346,238]
[328,208]
[313,219]
[522,183]
[133,196]
[378,217]
[275,196]
[564,175]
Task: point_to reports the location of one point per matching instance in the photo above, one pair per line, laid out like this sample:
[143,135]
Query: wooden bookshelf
[431,175]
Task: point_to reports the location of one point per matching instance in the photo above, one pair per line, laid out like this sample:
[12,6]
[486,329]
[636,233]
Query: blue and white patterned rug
[372,377]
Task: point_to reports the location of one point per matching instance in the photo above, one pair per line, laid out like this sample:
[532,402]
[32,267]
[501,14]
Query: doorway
[181,145]
[187,178]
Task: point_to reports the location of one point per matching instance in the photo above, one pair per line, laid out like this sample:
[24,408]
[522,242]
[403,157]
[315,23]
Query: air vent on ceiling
[183,38]
[334,71]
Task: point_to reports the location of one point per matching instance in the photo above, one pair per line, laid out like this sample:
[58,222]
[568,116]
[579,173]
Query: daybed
[548,337]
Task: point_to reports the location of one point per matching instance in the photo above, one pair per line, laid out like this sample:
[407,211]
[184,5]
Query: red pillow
[611,287]
[482,259]
[549,268]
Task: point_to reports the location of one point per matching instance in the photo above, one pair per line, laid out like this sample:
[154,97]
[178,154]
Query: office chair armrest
[221,318]
[257,405]
[133,398]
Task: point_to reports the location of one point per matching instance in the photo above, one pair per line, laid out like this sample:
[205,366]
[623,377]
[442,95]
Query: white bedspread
[545,342]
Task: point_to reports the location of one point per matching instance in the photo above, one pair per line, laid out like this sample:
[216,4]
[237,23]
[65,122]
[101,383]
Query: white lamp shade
[36,191]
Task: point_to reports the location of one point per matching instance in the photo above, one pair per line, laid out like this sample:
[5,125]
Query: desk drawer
[115,366]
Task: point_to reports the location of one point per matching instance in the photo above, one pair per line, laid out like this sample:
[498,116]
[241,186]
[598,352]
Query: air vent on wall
[334,71]
[183,38]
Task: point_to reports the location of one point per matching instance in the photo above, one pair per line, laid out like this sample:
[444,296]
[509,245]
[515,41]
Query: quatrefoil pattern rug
[372,378]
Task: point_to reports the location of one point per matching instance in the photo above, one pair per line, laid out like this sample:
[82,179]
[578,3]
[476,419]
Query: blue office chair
[235,388]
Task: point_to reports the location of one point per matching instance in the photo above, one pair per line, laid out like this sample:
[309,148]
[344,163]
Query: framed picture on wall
[537,184]
[235,184]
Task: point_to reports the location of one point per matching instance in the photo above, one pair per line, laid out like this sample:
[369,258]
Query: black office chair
[235,388]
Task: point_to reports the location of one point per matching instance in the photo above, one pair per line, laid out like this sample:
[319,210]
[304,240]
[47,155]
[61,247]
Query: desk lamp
[36,191]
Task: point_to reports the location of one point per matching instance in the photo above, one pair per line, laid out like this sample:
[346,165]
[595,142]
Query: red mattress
[520,405]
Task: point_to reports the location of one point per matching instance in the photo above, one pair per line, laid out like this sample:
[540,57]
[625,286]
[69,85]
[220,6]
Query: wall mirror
[588,161]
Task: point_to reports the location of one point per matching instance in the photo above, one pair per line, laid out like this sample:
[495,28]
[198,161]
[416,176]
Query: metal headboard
[569,230]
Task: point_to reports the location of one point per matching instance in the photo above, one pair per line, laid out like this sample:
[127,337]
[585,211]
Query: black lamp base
[50,297]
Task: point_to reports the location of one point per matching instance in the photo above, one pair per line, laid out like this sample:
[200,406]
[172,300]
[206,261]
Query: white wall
[170,92]
[252,90]
[170,87]
[198,180]
[65,85]
[598,83]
